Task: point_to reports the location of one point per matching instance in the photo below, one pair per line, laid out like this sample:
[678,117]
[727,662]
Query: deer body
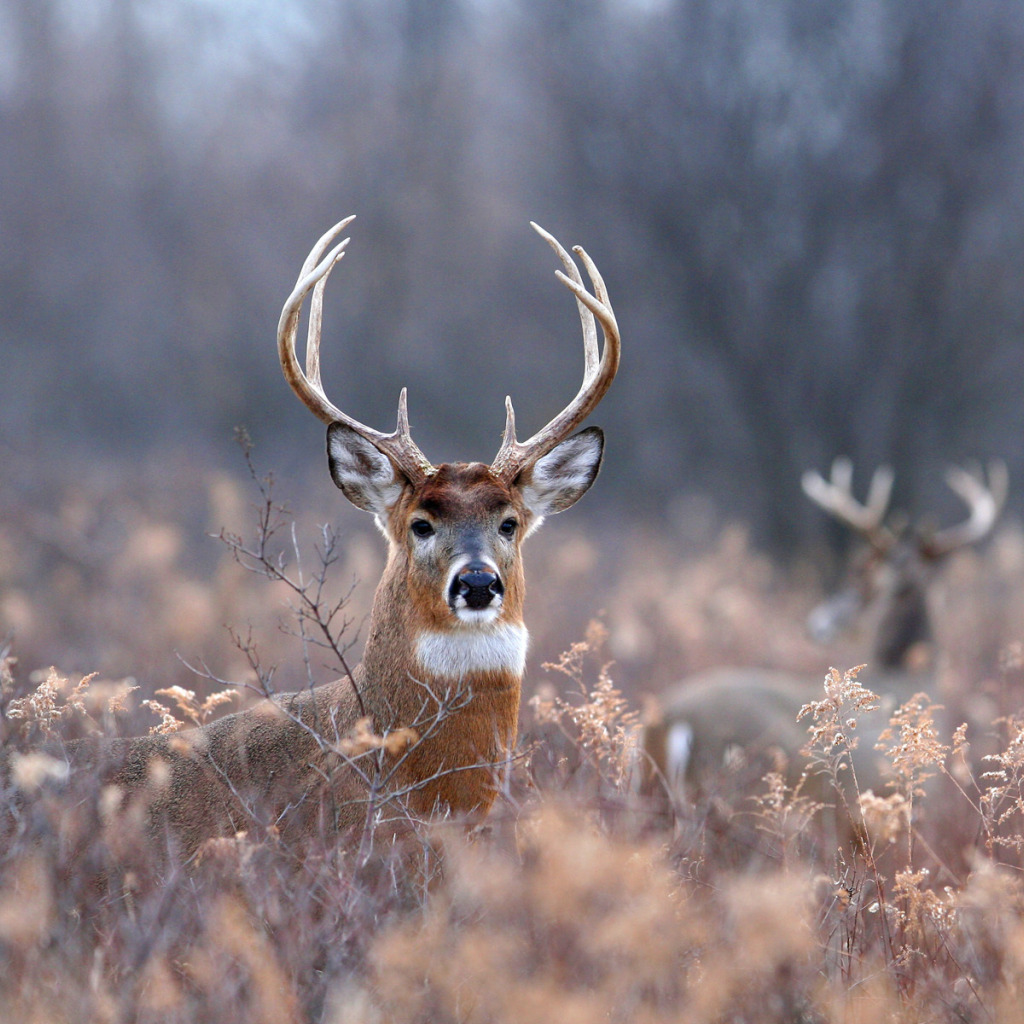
[269,763]
[740,721]
[429,717]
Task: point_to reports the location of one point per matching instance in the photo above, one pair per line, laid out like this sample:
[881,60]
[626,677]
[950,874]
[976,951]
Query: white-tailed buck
[743,722]
[430,715]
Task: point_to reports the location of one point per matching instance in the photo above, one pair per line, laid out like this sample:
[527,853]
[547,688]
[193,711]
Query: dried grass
[573,902]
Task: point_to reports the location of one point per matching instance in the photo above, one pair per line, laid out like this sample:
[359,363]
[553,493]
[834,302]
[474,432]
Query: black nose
[476,585]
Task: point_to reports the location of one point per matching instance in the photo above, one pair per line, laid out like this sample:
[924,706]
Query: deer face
[457,533]
[460,533]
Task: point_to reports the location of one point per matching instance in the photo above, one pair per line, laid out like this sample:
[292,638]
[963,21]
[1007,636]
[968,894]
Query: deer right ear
[366,476]
[560,478]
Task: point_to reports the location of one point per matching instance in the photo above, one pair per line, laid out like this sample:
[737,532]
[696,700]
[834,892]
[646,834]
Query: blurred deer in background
[891,575]
[430,715]
[745,720]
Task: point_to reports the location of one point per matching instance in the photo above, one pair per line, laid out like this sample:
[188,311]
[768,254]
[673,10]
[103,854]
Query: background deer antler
[984,502]
[836,496]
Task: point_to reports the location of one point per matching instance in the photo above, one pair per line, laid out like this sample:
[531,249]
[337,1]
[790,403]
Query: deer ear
[366,476]
[559,479]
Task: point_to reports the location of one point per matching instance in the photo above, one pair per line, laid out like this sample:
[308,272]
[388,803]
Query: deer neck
[401,661]
[904,633]
[458,686]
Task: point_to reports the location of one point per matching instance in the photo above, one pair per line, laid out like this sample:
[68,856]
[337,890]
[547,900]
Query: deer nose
[477,585]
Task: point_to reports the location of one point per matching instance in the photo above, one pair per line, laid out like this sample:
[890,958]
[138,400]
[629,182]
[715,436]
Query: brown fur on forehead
[457,487]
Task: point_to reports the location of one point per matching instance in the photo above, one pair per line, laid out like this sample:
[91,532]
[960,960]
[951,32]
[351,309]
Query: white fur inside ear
[365,475]
[563,476]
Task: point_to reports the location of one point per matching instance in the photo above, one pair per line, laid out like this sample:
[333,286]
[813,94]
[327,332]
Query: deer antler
[598,373]
[398,445]
[836,496]
[984,503]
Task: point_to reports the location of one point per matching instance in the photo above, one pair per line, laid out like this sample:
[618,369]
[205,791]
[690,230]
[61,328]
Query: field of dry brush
[579,900]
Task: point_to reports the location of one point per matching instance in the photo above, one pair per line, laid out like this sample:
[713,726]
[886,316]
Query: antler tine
[836,497]
[599,368]
[316,269]
[573,280]
[880,491]
[984,503]
[316,305]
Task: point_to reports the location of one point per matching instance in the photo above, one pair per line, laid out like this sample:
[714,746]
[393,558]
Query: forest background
[809,216]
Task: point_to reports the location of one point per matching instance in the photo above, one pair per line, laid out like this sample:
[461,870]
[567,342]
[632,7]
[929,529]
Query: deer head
[455,530]
[899,559]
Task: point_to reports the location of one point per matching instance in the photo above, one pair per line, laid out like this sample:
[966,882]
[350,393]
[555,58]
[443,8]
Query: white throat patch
[461,653]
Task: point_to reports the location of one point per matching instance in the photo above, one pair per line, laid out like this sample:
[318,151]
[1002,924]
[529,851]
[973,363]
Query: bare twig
[320,619]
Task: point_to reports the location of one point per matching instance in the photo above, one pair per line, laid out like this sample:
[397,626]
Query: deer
[746,720]
[429,717]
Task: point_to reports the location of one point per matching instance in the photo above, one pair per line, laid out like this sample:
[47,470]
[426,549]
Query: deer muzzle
[476,586]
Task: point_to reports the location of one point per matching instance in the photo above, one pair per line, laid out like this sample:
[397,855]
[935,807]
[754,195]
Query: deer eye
[508,528]
[421,528]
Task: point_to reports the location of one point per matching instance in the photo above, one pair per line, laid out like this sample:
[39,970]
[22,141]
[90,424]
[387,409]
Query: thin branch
[312,607]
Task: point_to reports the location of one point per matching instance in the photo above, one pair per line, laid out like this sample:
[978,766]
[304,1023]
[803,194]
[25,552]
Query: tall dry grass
[578,900]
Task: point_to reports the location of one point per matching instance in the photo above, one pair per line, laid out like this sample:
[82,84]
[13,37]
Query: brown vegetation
[575,901]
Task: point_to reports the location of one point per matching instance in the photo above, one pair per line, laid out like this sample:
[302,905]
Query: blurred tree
[808,214]
[813,191]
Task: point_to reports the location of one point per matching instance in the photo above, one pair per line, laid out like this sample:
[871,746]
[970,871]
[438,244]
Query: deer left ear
[559,479]
[365,474]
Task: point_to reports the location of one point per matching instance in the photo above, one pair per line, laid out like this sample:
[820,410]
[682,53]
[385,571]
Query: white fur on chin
[462,652]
